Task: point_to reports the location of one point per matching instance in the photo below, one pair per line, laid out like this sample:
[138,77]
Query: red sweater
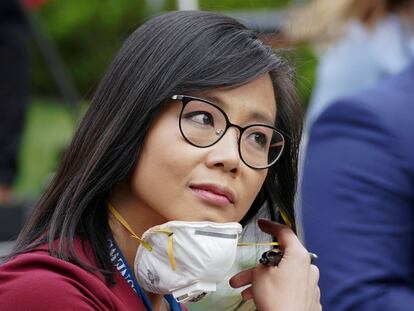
[37,281]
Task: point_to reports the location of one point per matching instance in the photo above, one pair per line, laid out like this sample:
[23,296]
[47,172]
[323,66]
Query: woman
[180,131]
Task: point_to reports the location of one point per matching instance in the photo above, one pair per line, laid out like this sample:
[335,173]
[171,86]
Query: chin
[218,219]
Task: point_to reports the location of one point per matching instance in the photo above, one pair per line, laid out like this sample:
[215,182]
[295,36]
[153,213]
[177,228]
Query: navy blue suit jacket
[358,198]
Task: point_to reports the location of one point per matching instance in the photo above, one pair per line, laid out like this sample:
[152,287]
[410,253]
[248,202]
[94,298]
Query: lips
[215,190]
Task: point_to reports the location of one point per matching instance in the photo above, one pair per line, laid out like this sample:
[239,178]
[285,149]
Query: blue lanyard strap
[119,262]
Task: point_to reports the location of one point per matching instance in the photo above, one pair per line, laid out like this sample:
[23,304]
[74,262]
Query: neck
[128,247]
[125,242]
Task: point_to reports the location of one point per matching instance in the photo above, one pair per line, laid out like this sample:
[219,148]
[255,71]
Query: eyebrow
[260,117]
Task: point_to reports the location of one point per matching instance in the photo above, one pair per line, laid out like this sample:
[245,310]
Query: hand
[292,285]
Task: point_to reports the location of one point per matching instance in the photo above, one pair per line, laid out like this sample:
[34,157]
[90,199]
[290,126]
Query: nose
[225,153]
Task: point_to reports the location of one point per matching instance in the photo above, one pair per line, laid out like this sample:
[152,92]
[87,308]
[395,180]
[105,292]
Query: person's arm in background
[357,203]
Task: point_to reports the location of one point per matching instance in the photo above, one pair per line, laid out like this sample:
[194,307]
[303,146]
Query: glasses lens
[201,123]
[261,146]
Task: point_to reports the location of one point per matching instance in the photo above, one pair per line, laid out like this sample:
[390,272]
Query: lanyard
[119,262]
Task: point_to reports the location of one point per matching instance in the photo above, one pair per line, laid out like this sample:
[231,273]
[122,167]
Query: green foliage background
[87,34]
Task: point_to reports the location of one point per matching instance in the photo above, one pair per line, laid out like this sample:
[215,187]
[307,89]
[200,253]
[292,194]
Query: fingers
[314,274]
[283,233]
[314,279]
[242,278]
[247,293]
[269,285]
[288,241]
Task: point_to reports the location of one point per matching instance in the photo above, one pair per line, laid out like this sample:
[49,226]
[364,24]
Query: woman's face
[174,180]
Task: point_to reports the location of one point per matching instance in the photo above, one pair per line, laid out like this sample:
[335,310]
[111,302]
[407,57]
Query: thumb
[284,235]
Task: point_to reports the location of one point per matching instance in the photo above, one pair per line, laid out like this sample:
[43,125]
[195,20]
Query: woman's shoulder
[38,281]
[39,263]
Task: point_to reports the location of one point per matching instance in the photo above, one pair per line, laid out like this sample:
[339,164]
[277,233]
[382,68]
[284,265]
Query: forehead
[253,102]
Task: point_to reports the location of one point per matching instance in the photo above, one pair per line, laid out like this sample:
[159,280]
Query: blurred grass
[48,130]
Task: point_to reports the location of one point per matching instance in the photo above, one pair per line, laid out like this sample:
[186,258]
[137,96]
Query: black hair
[174,53]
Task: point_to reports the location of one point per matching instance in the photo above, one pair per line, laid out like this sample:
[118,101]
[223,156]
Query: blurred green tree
[87,34]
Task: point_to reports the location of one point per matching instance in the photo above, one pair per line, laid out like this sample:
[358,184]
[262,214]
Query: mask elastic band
[118,216]
[148,246]
[285,218]
[287,222]
[169,233]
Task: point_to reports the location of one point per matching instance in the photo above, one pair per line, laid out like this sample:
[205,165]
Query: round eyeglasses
[203,124]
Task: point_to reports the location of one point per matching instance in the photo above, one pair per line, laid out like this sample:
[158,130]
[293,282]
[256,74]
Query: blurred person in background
[182,143]
[359,43]
[357,198]
[357,192]
[14,89]
[14,93]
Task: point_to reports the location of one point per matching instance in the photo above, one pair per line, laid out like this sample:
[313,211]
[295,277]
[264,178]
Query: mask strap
[169,233]
[148,246]
[287,222]
[285,218]
[123,222]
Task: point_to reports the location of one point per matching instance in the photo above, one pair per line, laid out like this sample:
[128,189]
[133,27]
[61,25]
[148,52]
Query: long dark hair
[174,53]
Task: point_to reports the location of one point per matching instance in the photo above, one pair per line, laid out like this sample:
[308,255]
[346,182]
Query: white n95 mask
[182,258]
[187,259]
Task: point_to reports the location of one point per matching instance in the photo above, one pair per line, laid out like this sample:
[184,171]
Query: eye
[200,117]
[259,139]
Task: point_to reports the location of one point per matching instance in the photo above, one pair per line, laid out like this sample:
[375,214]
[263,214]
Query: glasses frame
[185,99]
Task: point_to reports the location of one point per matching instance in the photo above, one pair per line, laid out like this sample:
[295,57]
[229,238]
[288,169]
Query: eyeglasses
[203,124]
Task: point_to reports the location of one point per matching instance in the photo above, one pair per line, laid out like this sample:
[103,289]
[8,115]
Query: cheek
[164,166]
[154,163]
[250,190]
